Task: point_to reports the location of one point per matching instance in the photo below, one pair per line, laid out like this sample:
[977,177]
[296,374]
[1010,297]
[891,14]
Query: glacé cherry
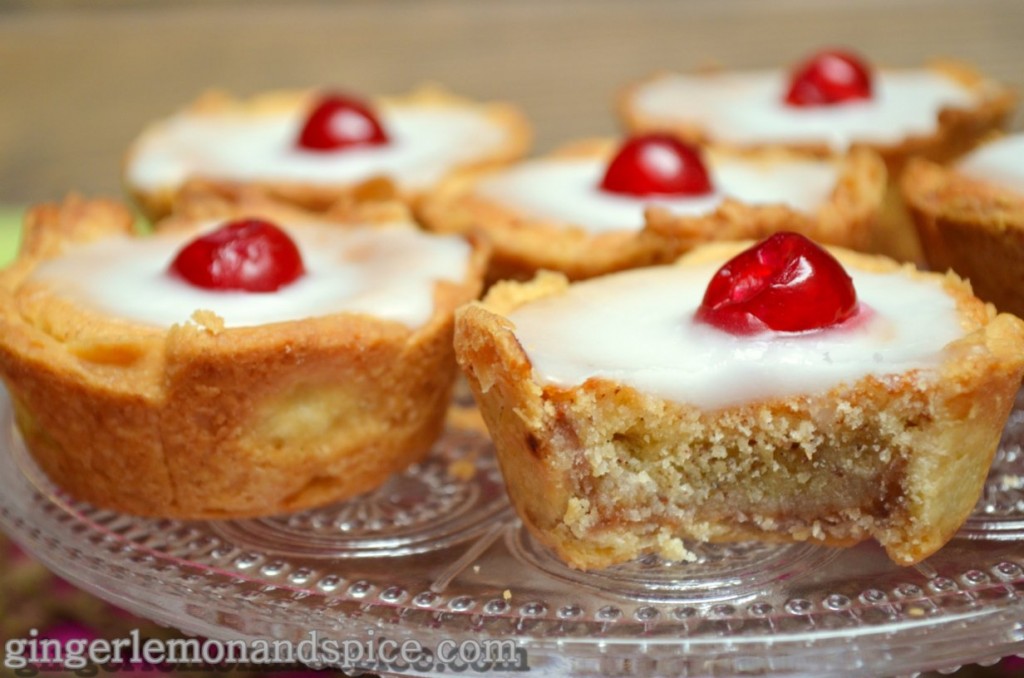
[337,122]
[251,255]
[785,283]
[830,77]
[656,164]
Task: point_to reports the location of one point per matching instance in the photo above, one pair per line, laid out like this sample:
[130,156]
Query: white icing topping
[567,190]
[388,273]
[425,144]
[1000,162]
[637,329]
[749,107]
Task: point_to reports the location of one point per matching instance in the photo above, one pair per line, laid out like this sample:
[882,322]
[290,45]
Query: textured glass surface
[437,553]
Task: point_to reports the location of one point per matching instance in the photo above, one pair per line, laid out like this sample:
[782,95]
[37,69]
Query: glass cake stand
[438,554]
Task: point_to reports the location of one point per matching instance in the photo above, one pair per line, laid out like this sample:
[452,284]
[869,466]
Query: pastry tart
[970,217]
[938,112]
[594,207]
[797,400]
[313,148]
[828,104]
[256,363]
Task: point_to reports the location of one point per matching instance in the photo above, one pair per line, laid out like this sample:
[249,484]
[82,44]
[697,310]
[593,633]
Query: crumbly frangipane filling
[638,329]
[387,272]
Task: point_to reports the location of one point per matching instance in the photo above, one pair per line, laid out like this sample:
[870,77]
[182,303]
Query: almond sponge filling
[831,472]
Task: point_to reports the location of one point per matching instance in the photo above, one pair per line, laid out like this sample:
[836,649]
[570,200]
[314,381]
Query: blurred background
[78,80]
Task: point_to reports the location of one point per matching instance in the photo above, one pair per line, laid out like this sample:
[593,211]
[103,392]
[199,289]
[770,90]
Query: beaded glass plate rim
[62,519]
[933,631]
[20,531]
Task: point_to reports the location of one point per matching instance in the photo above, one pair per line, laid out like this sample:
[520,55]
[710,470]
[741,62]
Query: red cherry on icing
[829,77]
[338,122]
[656,164]
[249,254]
[785,283]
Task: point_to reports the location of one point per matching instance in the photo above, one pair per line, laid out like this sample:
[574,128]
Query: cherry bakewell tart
[829,103]
[776,393]
[312,148]
[970,216]
[599,206]
[256,363]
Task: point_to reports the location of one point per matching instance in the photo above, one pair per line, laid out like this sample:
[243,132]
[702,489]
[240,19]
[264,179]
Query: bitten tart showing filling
[599,206]
[779,393]
[830,102]
[313,148]
[257,363]
[970,217]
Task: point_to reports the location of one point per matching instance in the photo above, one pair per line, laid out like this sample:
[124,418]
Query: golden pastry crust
[580,462]
[158,203]
[958,131]
[971,227]
[524,245]
[203,421]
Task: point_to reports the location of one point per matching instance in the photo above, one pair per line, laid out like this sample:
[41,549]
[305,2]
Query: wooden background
[78,80]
